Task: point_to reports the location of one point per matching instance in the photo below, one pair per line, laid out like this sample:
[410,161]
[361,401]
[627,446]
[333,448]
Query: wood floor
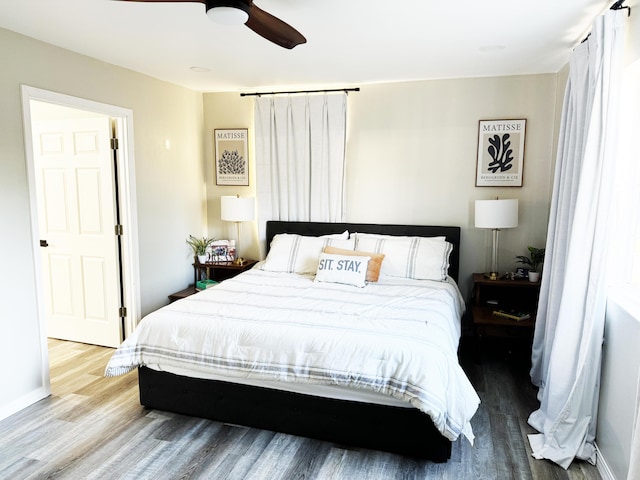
[94,428]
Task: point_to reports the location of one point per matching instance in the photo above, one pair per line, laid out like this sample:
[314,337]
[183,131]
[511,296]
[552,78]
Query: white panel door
[76,214]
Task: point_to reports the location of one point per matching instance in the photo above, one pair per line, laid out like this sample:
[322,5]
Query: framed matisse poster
[232,161]
[500,153]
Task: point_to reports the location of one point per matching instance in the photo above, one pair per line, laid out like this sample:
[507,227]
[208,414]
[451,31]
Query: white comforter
[396,337]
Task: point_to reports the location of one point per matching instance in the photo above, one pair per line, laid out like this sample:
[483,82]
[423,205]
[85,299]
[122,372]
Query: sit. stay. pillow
[346,269]
[292,253]
[375,262]
[421,258]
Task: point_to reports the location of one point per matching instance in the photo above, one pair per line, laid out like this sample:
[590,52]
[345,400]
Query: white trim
[602,466]
[128,207]
[129,220]
[45,389]
[24,401]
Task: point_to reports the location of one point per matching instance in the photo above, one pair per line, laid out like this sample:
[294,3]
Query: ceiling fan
[245,11]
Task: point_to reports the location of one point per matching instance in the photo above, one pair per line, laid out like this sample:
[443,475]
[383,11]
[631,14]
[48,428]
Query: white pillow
[294,253]
[393,237]
[338,236]
[421,258]
[347,269]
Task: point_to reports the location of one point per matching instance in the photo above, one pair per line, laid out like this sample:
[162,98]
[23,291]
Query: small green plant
[199,245]
[534,260]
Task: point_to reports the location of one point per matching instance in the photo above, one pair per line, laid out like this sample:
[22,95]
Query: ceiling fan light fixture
[237,14]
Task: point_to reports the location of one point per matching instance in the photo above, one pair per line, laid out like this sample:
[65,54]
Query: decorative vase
[534,276]
[202,258]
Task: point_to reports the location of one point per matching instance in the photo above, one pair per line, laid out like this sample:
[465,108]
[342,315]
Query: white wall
[411,157]
[170,186]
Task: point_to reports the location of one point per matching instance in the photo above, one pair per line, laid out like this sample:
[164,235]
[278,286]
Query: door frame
[126,196]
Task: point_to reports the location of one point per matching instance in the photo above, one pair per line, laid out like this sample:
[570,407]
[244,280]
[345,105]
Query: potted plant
[199,247]
[534,260]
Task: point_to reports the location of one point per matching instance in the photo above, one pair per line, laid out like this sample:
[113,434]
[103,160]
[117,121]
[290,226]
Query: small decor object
[500,153]
[522,272]
[199,247]
[534,276]
[232,162]
[232,250]
[534,260]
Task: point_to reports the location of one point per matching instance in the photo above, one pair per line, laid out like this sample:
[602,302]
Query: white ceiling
[349,42]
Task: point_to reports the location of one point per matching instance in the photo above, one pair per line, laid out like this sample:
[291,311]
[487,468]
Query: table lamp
[496,214]
[237,209]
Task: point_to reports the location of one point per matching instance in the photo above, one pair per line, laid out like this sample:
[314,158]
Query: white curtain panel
[567,346]
[300,165]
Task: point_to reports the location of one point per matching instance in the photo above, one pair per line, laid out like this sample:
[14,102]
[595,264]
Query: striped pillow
[292,253]
[420,258]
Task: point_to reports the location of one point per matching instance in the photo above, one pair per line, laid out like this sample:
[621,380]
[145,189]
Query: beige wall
[632,36]
[411,157]
[229,110]
[171,201]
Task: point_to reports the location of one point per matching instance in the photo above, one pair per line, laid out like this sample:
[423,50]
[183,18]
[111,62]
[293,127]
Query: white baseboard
[603,467]
[22,402]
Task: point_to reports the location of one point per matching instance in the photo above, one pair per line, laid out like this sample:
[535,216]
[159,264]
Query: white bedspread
[397,337]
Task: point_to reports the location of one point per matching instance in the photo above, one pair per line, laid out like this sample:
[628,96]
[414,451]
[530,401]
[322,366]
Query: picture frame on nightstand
[219,251]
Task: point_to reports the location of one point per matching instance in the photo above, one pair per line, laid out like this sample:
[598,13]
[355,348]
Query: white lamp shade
[497,213]
[237,209]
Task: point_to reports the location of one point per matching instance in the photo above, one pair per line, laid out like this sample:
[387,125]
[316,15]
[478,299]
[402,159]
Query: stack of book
[512,314]
[204,284]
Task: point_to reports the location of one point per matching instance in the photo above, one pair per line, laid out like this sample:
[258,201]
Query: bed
[275,347]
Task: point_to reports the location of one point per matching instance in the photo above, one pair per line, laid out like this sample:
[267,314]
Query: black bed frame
[406,431]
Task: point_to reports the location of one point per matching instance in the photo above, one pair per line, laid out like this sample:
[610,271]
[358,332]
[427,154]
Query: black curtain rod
[618,6]
[257,94]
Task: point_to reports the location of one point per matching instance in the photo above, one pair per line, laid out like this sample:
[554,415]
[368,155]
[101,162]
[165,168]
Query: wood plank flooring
[93,427]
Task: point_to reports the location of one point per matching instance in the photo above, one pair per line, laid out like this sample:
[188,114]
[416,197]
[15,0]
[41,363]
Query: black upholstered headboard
[452,234]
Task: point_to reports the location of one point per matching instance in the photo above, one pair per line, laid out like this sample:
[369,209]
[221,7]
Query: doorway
[84,278]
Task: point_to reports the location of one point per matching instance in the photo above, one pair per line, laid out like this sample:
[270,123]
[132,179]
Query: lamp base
[240,261]
[491,275]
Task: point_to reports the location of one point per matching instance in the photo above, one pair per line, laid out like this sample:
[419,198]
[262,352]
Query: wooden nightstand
[220,271]
[215,271]
[521,295]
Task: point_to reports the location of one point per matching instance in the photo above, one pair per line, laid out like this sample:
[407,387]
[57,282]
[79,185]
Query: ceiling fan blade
[166,1]
[273,29]
[261,22]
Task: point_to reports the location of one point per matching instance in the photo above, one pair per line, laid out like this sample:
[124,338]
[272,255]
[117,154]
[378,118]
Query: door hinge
[122,311]
[119,230]
[114,144]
